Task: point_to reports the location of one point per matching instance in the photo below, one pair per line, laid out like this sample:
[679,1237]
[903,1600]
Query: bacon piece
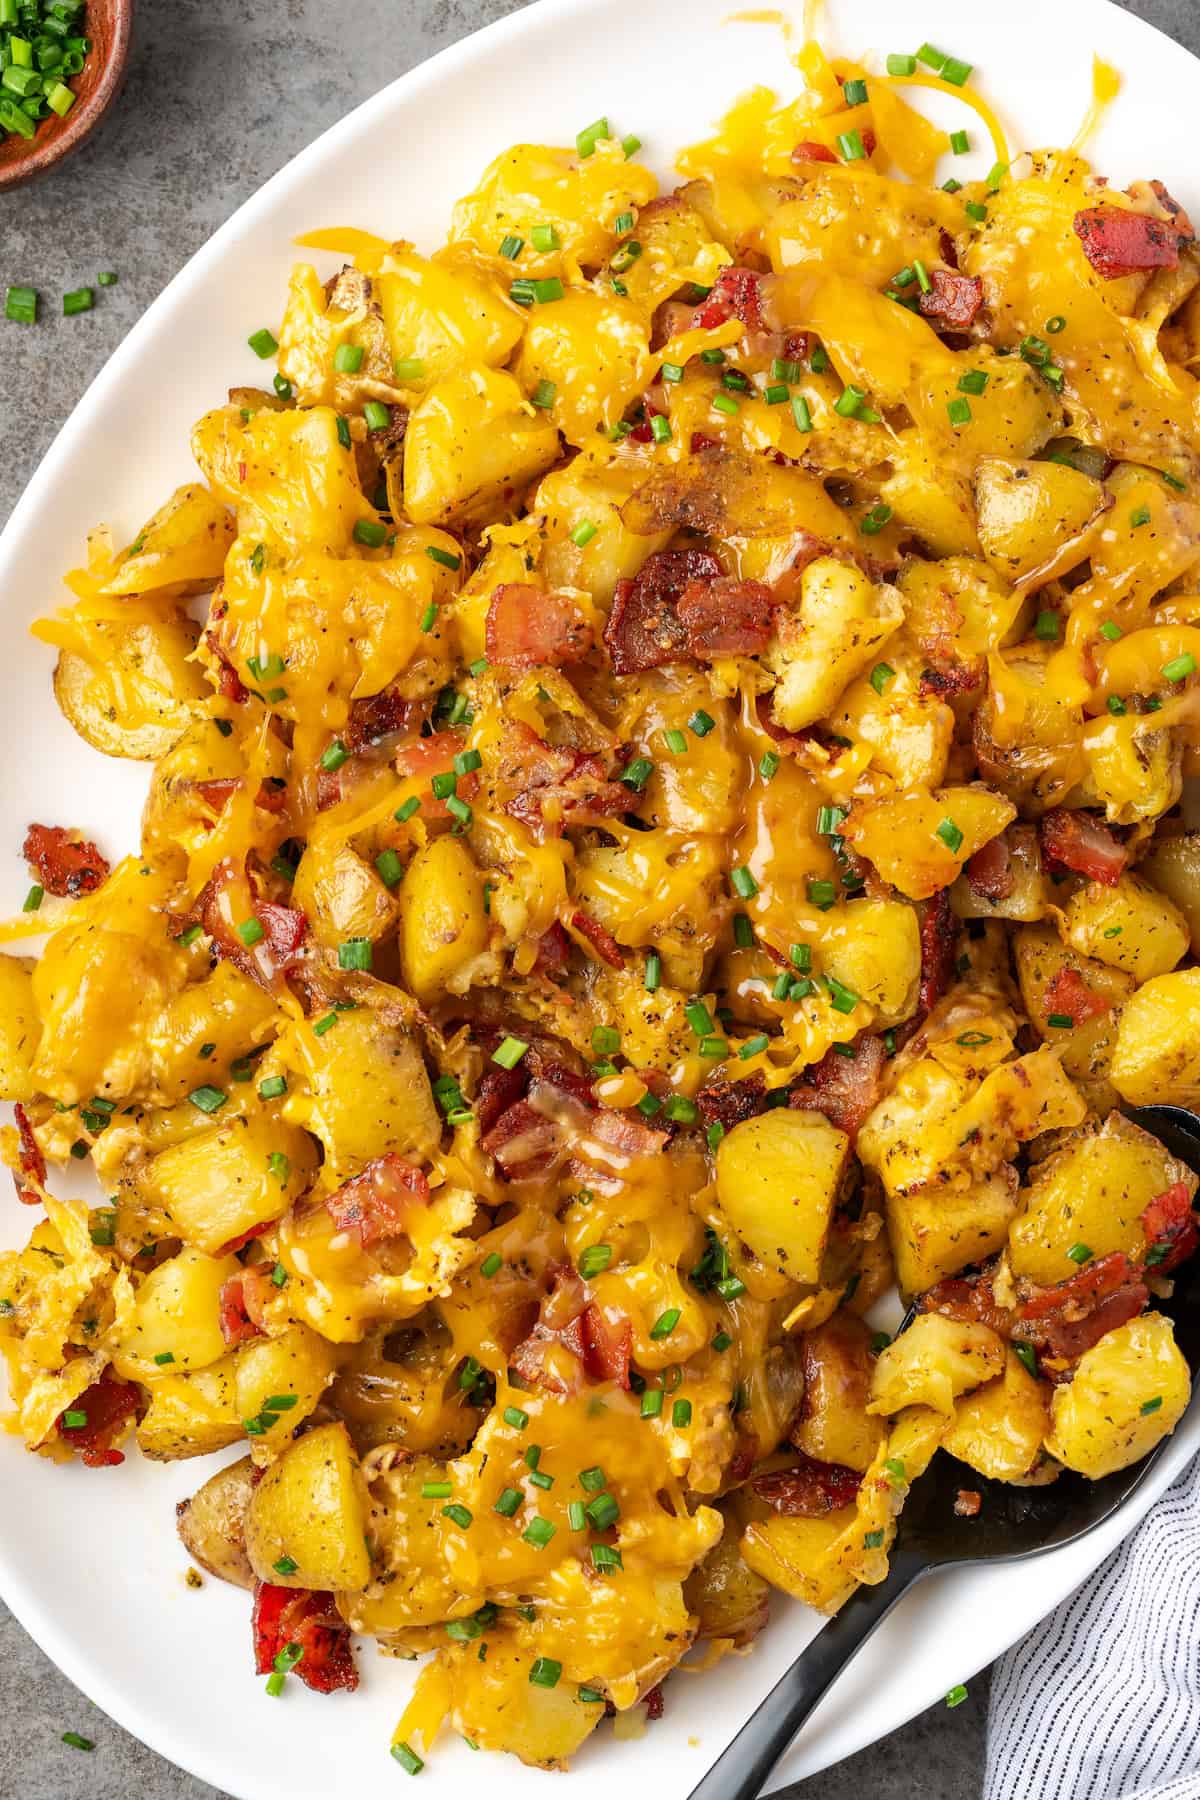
[607,1343]
[379,716]
[968,1503]
[643,630]
[237,1321]
[272,797]
[844,1088]
[31,1162]
[107,1404]
[498,1090]
[727,1103]
[726,617]
[625,1134]
[1068,1318]
[970,1299]
[744,1457]
[522,1140]
[426,757]
[1080,842]
[600,938]
[1172,1233]
[554,782]
[1117,242]
[559,1327]
[806,152]
[988,872]
[528,628]
[286,929]
[229,682]
[1069,995]
[735,294]
[808,1489]
[702,441]
[949,678]
[953,299]
[654,1703]
[66,865]
[376,1202]
[554,951]
[284,1616]
[246,1237]
[938,933]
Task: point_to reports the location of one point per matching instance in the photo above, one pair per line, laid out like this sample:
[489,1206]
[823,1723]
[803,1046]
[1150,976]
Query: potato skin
[140,699]
[834,1425]
[212,1524]
[1129,1392]
[310,1507]
[727,1596]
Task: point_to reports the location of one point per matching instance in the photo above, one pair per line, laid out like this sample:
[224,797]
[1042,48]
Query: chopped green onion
[1149,1406]
[508,1502]
[446,559]
[543,394]
[955,72]
[583,533]
[854,93]
[652,1403]
[1060,1021]
[207,1099]
[681,1110]
[743,883]
[652,974]
[956,1696]
[1046,627]
[932,58]
[974,381]
[849,401]
[404,813]
[347,359]
[528,293]
[675,741]
[370,532]
[851,146]
[975,209]
[511,248]
[263,343]
[665,1324]
[545,1672]
[458,1515]
[509,1053]
[587,139]
[801,414]
[960,143]
[491,1265]
[724,403]
[958,412]
[408,1759]
[1080,1253]
[881,674]
[79,300]
[701,723]
[743,931]
[1180,667]
[594,1260]
[950,835]
[593,1479]
[73,1739]
[37,894]
[538,1532]
[768,765]
[901,65]
[754,1046]
[843,999]
[821,894]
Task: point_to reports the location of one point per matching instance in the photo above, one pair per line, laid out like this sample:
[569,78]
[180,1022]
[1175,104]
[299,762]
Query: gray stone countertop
[220,95]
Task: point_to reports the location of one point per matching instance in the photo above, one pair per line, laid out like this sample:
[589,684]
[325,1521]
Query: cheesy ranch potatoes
[668,720]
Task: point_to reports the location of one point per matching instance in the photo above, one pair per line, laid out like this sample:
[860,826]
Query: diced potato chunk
[935,1232]
[212,1524]
[919,842]
[131,691]
[821,1561]
[1173,866]
[842,620]
[933,1362]
[176,1315]
[873,947]
[367,1092]
[1093,1191]
[1129,1392]
[1028,510]
[726,1595]
[191,1415]
[471,444]
[311,1508]
[341,895]
[440,313]
[834,1425]
[1157,1057]
[443,927]
[998,1429]
[222,1182]
[534,184]
[593,349]
[297,1362]
[777,1181]
[1129,926]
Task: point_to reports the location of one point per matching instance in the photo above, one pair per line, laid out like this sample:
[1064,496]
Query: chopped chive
[509,1052]
[538,1532]
[851,146]
[347,359]
[37,894]
[408,1759]
[743,883]
[79,300]
[594,1260]
[1110,630]
[854,93]
[389,868]
[543,394]
[675,741]
[881,674]
[20,305]
[1060,1021]
[681,1110]
[458,1515]
[652,974]
[960,143]
[263,343]
[701,723]
[754,1046]
[1180,667]
[665,1324]
[404,813]
[583,533]
[207,1099]
[950,835]
[652,1403]
[508,1502]
[325,1024]
[545,1672]
[491,1265]
[587,139]
[511,248]
[436,1490]
[1046,627]
[1149,1406]
[743,931]
[956,1696]
[445,558]
[724,403]
[958,412]
[821,894]
[273,1088]
[843,999]
[1080,1253]
[801,414]
[976,210]
[768,765]
[76,1742]
[974,381]
[955,72]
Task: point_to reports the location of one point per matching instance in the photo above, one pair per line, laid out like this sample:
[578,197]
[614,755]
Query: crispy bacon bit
[376,1202]
[284,1616]
[229,682]
[246,1237]
[735,294]
[528,628]
[237,1321]
[1117,242]
[1080,842]
[1172,1233]
[809,1489]
[271,796]
[522,1140]
[953,299]
[654,1703]
[702,441]
[379,716]
[1068,1318]
[806,152]
[434,755]
[938,933]
[726,617]
[1069,994]
[949,678]
[988,872]
[107,1404]
[727,1103]
[970,1299]
[744,1457]
[968,1503]
[554,951]
[844,1088]
[538,1358]
[66,865]
[643,630]
[553,783]
[31,1161]
[600,938]
[1172,206]
[286,929]
[607,1343]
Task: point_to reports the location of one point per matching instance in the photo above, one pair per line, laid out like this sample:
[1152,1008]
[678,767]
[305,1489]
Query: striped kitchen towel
[1102,1700]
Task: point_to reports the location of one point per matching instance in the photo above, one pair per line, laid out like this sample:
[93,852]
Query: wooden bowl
[108,24]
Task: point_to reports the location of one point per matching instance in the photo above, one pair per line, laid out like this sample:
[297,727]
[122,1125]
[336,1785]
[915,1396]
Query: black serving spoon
[1014,1523]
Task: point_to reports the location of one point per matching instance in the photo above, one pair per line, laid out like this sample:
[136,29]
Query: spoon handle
[744,1765]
